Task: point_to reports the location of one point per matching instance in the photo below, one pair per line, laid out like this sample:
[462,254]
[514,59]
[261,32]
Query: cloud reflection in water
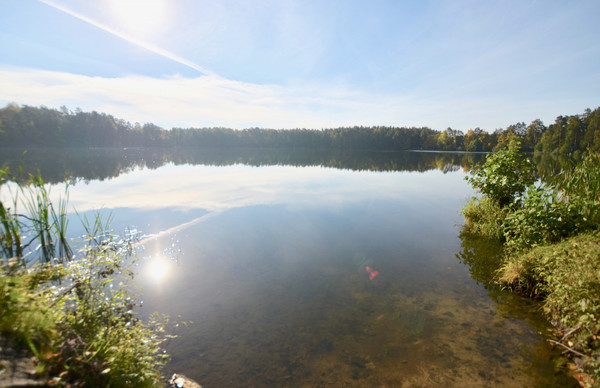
[226,187]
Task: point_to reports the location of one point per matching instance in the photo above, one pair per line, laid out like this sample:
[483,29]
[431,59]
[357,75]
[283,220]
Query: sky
[304,64]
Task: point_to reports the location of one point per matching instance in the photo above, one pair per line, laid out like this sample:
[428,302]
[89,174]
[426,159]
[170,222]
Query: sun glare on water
[158,268]
[140,16]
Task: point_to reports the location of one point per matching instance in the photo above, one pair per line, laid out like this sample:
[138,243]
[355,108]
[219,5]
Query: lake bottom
[294,314]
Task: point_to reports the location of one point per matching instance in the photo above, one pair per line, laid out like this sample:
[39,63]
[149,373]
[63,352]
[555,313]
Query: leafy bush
[581,185]
[504,175]
[542,218]
[523,215]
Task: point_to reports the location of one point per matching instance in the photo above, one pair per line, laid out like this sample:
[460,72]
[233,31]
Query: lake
[267,253]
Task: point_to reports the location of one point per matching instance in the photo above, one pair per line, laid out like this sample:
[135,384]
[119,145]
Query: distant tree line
[26,126]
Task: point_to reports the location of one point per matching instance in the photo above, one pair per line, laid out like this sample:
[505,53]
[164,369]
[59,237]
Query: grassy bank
[73,311]
[567,276]
[551,244]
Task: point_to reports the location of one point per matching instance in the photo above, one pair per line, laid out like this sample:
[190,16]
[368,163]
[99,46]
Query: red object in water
[372,273]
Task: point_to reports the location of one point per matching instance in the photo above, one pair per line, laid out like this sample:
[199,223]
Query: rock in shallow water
[180,381]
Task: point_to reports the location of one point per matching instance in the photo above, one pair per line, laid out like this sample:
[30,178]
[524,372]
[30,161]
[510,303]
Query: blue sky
[304,64]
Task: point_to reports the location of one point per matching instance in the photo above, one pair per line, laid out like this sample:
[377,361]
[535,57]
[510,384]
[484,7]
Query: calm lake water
[266,254]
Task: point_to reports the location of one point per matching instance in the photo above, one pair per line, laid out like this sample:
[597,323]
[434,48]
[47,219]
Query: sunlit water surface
[269,264]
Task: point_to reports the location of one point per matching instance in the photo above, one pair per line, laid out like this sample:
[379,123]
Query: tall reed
[76,316]
[40,232]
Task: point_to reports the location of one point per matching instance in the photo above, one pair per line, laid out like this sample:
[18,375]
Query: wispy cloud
[138,42]
[202,101]
[178,101]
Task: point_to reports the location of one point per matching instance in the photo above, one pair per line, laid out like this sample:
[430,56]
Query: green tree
[573,136]
[533,134]
[504,175]
[473,140]
[504,138]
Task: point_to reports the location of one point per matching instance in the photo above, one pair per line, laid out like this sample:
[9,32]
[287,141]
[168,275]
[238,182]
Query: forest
[27,126]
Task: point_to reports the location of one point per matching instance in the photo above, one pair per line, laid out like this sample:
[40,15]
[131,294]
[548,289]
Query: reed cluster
[73,309]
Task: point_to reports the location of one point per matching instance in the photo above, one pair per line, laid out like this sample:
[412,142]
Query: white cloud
[202,101]
[210,100]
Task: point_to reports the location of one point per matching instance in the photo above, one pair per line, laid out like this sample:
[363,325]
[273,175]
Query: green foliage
[541,258]
[567,275]
[545,214]
[26,314]
[83,330]
[103,343]
[484,217]
[48,226]
[10,237]
[543,218]
[504,175]
[581,185]
[78,316]
[572,134]
[551,212]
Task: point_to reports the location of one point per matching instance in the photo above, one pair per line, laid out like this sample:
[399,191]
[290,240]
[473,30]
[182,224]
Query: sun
[140,16]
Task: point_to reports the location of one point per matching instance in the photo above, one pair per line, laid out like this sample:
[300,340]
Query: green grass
[567,276]
[73,311]
[484,217]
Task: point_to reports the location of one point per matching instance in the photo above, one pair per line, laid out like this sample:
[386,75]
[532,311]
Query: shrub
[542,218]
[504,175]
[581,185]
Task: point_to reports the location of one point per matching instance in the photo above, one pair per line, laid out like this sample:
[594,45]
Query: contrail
[148,46]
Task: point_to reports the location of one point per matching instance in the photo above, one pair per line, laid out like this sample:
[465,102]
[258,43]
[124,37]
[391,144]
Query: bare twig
[568,333]
[566,347]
